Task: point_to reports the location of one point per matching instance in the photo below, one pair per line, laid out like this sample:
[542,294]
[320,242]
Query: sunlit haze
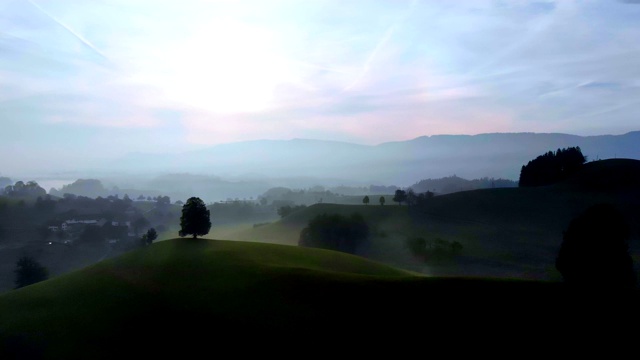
[91,81]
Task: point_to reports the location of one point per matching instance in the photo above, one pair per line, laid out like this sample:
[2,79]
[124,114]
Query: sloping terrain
[508,232]
[186,297]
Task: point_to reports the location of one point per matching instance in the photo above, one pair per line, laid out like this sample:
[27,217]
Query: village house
[66,225]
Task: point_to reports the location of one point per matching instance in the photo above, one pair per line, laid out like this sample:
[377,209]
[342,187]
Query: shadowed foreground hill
[607,175]
[184,296]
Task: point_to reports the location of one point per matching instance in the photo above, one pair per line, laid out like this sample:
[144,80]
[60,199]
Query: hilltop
[182,296]
[175,296]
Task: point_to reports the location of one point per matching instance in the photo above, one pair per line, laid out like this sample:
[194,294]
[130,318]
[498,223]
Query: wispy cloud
[78,36]
[358,71]
[367,64]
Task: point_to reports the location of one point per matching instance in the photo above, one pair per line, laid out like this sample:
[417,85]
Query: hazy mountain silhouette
[401,163]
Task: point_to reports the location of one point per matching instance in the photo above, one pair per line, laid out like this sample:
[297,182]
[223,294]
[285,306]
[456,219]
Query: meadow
[184,296]
[506,232]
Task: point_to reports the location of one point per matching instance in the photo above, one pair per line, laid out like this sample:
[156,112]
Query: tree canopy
[195,219]
[22,189]
[551,167]
[335,232]
[400,196]
[149,237]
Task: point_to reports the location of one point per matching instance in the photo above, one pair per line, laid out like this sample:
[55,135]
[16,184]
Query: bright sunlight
[225,67]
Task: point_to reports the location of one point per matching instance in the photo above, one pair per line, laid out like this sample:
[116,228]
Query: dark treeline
[63,234]
[552,167]
[82,187]
[94,188]
[454,183]
[336,232]
[20,189]
[282,196]
[23,218]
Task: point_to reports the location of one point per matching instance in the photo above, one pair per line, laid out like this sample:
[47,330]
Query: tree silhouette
[28,271]
[147,239]
[382,200]
[195,219]
[595,250]
[365,200]
[410,197]
[400,196]
[551,167]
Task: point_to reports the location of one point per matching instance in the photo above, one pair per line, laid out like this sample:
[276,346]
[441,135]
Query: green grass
[196,277]
[508,232]
[515,232]
[184,297]
[186,294]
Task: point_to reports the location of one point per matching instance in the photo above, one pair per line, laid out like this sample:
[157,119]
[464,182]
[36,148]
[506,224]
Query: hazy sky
[83,81]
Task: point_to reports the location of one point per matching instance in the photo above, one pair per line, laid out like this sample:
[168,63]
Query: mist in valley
[250,161]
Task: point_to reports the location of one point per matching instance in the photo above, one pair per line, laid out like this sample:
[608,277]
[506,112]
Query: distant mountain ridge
[498,155]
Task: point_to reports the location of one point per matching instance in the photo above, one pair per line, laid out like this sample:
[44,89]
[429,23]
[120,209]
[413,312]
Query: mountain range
[402,163]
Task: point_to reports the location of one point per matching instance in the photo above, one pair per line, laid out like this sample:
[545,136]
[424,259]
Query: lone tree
[382,200]
[147,239]
[400,196]
[195,219]
[29,271]
[595,250]
[365,200]
[411,198]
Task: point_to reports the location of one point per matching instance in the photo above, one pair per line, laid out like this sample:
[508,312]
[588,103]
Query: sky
[82,82]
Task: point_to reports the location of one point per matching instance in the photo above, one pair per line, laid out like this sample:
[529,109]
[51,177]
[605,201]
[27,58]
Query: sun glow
[225,67]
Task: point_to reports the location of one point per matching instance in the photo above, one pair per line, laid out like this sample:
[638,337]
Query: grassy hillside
[184,296]
[507,232]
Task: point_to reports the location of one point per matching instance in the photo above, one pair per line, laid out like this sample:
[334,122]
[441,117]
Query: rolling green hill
[186,297]
[183,297]
[507,232]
